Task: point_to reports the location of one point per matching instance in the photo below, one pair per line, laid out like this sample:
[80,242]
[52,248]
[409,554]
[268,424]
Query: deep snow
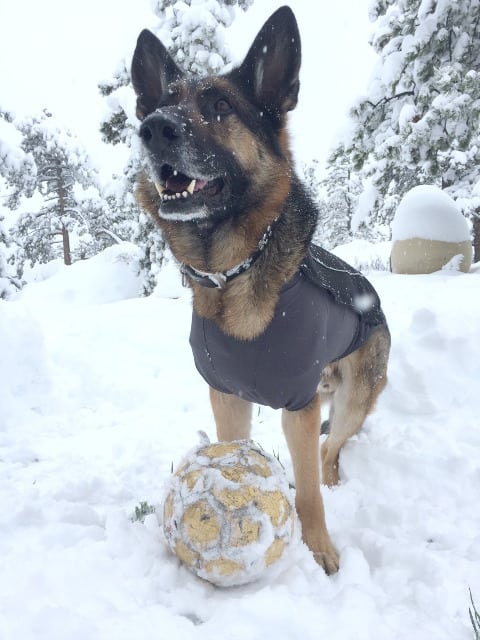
[100,397]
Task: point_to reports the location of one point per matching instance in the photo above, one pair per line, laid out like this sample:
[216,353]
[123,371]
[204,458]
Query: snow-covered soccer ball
[228,512]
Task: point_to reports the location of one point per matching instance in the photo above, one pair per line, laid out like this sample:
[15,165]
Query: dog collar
[221,278]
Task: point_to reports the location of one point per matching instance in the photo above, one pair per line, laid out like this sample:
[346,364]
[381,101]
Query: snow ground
[100,397]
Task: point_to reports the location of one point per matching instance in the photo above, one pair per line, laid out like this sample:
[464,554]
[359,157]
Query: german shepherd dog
[220,183]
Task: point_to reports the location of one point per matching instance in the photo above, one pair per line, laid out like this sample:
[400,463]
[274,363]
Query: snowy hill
[100,397]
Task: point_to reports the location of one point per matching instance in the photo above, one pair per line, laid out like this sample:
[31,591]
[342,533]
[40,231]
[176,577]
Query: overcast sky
[54,52]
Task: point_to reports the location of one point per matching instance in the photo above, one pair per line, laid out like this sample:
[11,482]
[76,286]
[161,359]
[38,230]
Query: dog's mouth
[173,185]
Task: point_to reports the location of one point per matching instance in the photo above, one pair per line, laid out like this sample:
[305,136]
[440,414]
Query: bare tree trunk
[476,236]
[67,256]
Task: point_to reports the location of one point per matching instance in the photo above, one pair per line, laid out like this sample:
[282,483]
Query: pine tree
[420,120]
[194,33]
[8,284]
[63,171]
[18,174]
[16,166]
[342,188]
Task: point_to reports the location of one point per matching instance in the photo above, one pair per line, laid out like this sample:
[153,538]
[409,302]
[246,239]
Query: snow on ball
[429,232]
[228,512]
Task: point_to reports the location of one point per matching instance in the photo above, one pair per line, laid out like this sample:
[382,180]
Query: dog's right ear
[153,69]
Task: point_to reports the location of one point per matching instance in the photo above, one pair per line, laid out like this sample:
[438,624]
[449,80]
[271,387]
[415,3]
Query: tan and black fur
[224,140]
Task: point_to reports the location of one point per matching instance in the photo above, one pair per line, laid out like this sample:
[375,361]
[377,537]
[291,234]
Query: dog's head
[216,144]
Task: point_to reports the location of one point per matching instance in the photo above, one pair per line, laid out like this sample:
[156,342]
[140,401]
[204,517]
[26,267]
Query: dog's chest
[281,368]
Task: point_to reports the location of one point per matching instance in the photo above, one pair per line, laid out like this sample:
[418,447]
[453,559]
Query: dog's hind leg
[361,377]
[232,416]
[302,431]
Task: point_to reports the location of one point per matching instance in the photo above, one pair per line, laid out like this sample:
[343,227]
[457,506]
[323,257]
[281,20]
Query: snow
[100,397]
[365,204]
[113,274]
[407,113]
[428,212]
[365,255]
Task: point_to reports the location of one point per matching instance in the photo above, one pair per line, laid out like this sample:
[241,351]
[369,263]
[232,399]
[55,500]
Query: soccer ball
[228,513]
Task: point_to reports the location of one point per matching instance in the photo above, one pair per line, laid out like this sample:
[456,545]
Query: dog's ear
[153,69]
[272,65]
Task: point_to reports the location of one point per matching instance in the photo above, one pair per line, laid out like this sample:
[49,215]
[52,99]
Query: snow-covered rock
[428,231]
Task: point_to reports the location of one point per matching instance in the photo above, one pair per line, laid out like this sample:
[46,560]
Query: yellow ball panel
[201,524]
[274,551]
[219,450]
[223,566]
[244,531]
[185,554]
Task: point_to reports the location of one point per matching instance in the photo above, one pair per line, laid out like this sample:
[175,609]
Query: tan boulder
[420,255]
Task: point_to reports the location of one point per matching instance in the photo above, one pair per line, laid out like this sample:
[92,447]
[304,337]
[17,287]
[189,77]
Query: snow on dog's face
[217,146]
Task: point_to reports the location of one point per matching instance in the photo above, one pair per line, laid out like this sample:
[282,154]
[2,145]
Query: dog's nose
[161,128]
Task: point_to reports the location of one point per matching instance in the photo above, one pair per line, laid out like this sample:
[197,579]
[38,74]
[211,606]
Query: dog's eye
[222,105]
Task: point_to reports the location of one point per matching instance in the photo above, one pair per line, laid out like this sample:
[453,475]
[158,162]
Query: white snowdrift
[103,397]
[111,275]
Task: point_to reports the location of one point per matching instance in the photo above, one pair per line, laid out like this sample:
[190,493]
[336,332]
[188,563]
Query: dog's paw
[318,541]
[330,475]
[328,560]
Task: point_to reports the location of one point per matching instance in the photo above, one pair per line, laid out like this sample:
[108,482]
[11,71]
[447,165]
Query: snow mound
[24,381]
[429,213]
[169,281]
[126,400]
[364,255]
[112,275]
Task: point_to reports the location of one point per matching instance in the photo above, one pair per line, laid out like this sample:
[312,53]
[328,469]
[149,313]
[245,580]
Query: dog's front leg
[302,431]
[232,416]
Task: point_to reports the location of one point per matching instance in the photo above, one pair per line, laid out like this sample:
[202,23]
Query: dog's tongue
[200,184]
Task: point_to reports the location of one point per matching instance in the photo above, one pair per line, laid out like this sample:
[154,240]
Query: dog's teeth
[159,188]
[184,194]
[191,187]
[178,195]
[175,172]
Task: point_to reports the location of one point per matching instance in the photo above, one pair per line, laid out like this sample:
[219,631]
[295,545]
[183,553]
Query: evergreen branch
[384,101]
[109,234]
[13,281]
[474,617]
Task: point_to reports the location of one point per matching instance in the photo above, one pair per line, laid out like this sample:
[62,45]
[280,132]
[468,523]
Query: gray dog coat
[326,311]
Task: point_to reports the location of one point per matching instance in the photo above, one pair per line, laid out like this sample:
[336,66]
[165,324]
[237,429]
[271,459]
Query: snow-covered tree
[16,166]
[17,176]
[194,31]
[6,281]
[341,189]
[62,172]
[419,122]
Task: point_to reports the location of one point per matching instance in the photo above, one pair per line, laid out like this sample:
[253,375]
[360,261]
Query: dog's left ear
[153,69]
[272,65]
